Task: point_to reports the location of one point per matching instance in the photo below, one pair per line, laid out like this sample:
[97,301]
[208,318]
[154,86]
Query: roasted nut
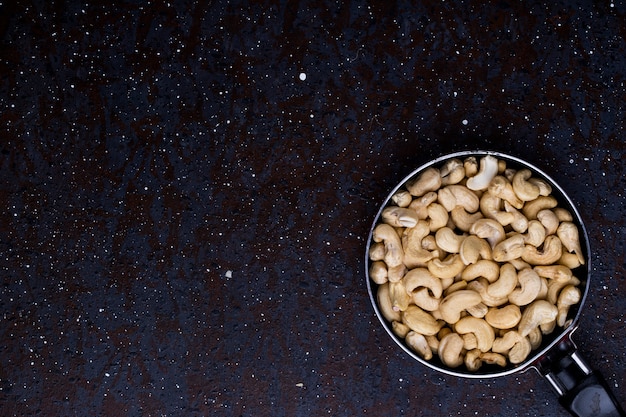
[448,241]
[568,233]
[526,191]
[514,345]
[378,272]
[454,303]
[506,317]
[569,296]
[480,328]
[384,303]
[482,268]
[488,229]
[448,268]
[550,254]
[420,321]
[451,350]
[399,216]
[474,248]
[418,343]
[511,248]
[429,180]
[539,312]
[530,286]
[402,198]
[506,282]
[452,172]
[393,246]
[502,188]
[488,170]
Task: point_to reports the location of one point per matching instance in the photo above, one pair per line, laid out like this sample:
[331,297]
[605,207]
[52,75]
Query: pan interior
[582,272]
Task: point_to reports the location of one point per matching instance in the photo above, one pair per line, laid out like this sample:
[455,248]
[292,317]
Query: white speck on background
[302,76]
[465,122]
[228,274]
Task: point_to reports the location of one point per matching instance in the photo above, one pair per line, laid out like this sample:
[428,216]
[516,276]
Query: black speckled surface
[187,188]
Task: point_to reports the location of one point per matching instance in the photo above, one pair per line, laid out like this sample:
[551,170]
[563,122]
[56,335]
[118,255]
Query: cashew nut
[448,268]
[399,217]
[451,350]
[447,240]
[502,188]
[402,198]
[474,248]
[510,248]
[438,216]
[377,251]
[482,268]
[400,329]
[488,229]
[464,220]
[542,202]
[563,215]
[570,260]
[526,191]
[535,234]
[400,298]
[452,172]
[455,195]
[505,284]
[530,286]
[549,220]
[384,303]
[557,272]
[555,287]
[490,206]
[469,341]
[473,360]
[480,286]
[550,254]
[423,299]
[378,272]
[395,273]
[569,296]
[420,205]
[471,166]
[488,170]
[478,311]
[454,303]
[429,180]
[418,343]
[568,233]
[414,254]
[420,321]
[544,187]
[484,333]
[537,313]
[535,337]
[505,317]
[393,246]
[516,346]
[493,358]
[519,222]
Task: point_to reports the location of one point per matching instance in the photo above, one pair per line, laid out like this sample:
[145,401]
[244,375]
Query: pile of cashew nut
[474,263]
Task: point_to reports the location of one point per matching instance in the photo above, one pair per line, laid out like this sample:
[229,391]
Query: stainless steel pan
[581,390]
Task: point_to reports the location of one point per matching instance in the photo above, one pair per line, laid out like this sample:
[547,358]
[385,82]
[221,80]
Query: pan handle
[582,391]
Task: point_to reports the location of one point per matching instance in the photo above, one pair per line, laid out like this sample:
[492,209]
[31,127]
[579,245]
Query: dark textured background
[184,219]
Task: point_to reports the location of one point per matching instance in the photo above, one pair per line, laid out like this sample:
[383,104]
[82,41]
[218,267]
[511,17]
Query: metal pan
[581,390]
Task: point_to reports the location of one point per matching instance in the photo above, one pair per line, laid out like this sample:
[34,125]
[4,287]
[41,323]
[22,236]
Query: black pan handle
[582,391]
